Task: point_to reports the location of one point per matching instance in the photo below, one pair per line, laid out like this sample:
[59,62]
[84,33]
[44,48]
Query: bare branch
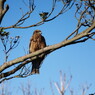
[63,84]
[9,43]
[85,88]
[26,89]
[77,36]
[26,59]
[66,6]
[4,89]
[2,9]
[85,13]
[76,31]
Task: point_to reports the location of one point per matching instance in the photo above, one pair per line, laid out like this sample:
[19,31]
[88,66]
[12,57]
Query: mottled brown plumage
[37,42]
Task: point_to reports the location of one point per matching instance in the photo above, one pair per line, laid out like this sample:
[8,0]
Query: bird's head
[37,32]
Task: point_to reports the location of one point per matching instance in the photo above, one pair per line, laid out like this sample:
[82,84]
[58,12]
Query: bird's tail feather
[35,71]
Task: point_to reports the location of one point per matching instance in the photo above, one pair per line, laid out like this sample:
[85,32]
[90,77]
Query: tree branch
[6,74]
[2,9]
[74,38]
[26,59]
[66,6]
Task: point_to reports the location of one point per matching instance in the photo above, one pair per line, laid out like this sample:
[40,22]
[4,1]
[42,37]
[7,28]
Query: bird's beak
[40,32]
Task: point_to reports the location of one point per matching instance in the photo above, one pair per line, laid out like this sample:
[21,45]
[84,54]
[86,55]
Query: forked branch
[85,16]
[66,6]
[81,37]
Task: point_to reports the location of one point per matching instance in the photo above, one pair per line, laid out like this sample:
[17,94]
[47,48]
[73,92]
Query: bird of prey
[37,42]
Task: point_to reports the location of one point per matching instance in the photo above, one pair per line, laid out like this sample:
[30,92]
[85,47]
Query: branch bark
[26,59]
[2,9]
[74,38]
[65,7]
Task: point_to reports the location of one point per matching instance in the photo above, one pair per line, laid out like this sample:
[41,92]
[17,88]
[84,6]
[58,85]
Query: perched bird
[37,42]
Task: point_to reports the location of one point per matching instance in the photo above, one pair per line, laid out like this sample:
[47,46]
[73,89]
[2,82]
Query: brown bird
[37,42]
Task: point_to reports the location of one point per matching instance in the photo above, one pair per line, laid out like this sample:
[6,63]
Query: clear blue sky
[76,60]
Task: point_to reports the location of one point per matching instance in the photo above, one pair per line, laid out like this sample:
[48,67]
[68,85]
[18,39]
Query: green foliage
[3,33]
[43,15]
